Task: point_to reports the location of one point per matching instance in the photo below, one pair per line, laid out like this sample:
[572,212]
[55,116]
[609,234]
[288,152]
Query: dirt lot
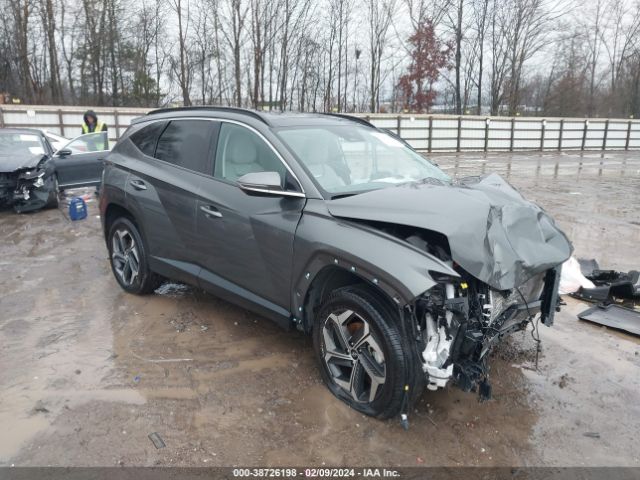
[89,371]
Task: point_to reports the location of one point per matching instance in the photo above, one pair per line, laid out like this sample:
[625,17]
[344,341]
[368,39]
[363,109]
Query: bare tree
[21,12]
[530,22]
[233,32]
[622,26]
[421,11]
[181,67]
[481,13]
[379,17]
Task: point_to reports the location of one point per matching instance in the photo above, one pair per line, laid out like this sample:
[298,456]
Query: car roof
[53,134]
[22,130]
[272,119]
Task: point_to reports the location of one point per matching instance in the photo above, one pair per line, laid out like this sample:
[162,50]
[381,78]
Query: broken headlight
[33,176]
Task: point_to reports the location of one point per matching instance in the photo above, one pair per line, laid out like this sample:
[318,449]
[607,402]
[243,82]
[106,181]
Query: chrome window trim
[236,122]
[275,193]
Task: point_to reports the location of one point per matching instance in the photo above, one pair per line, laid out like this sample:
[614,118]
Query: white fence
[67,121]
[430,133]
[471,133]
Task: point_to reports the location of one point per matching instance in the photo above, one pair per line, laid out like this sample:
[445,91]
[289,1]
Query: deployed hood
[493,232]
[13,162]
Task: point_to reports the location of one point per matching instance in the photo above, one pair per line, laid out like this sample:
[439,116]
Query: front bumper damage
[459,321]
[25,190]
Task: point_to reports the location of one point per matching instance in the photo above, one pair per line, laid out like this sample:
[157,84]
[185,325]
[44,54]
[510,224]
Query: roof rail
[359,120]
[242,111]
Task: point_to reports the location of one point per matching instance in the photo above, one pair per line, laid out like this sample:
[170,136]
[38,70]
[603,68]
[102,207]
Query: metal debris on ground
[157,440]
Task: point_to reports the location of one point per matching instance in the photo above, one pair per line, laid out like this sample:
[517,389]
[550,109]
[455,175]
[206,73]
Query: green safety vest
[99,127]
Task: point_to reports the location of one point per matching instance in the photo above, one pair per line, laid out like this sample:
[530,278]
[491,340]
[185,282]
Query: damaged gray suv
[405,278]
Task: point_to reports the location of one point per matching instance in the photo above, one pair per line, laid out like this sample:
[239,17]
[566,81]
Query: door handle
[210,210]
[138,184]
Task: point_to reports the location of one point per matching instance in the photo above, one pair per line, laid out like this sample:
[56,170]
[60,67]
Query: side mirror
[65,152]
[265,183]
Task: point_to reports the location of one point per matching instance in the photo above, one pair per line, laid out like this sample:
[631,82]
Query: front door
[80,162]
[246,241]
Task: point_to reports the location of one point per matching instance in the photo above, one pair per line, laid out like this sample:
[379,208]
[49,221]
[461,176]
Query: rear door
[163,187]
[81,161]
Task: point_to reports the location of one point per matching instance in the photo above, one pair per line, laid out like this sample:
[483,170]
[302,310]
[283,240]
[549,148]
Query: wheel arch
[113,211]
[330,278]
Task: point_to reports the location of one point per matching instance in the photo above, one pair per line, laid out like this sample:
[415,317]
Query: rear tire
[360,352]
[128,258]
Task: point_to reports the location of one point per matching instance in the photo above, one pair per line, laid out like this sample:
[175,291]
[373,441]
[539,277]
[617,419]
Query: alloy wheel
[125,256]
[353,356]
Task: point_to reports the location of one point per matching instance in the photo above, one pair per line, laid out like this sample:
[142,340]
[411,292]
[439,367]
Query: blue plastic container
[77,209]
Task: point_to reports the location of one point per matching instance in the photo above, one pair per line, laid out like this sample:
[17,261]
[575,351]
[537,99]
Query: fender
[397,268]
[113,193]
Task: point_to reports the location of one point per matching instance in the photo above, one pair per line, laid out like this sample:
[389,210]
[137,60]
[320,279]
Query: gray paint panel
[493,232]
[396,267]
[250,244]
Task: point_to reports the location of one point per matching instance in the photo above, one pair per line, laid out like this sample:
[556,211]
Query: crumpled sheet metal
[493,232]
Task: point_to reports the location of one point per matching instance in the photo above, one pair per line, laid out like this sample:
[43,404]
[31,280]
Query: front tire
[128,258]
[359,349]
[52,202]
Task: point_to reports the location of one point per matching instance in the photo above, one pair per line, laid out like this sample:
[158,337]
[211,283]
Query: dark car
[32,174]
[404,277]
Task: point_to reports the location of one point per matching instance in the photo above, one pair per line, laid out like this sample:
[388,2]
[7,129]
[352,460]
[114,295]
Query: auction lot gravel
[88,371]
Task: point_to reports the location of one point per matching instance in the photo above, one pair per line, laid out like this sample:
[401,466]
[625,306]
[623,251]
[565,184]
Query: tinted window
[145,138]
[241,151]
[186,143]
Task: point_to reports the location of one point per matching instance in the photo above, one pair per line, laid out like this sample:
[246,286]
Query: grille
[8,180]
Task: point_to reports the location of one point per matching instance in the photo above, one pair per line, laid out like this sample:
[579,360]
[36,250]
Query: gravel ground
[88,372]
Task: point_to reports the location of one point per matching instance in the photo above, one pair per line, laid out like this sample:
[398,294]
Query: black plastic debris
[609,284]
[40,408]
[614,316]
[157,440]
[588,265]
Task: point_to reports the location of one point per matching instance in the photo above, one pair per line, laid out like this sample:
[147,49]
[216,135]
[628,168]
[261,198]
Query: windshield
[20,144]
[353,159]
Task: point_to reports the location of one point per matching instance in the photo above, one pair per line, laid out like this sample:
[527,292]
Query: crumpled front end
[491,231]
[506,250]
[459,320]
[25,190]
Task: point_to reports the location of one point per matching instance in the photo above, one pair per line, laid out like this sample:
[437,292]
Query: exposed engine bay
[506,253]
[26,189]
[459,320]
